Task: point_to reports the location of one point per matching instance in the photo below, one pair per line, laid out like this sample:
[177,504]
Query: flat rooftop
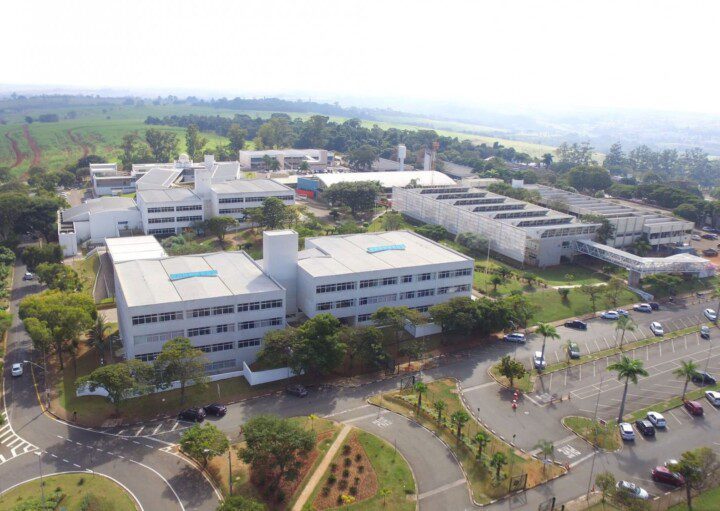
[82,211]
[130,248]
[250,186]
[355,253]
[158,177]
[147,282]
[298,153]
[388,179]
[168,195]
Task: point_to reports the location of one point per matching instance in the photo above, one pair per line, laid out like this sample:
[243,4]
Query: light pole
[512,460]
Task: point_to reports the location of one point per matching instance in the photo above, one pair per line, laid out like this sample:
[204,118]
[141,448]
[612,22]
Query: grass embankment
[388,471]
[483,483]
[525,384]
[706,501]
[219,469]
[87,269]
[628,346]
[604,436]
[70,492]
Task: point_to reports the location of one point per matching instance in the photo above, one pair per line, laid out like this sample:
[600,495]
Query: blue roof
[206,273]
[383,248]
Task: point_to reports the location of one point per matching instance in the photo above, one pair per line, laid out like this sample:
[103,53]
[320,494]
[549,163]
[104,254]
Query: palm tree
[624,323]
[547,330]
[498,461]
[420,389]
[628,369]
[547,449]
[687,370]
[481,440]
[384,492]
[459,419]
[98,338]
[439,407]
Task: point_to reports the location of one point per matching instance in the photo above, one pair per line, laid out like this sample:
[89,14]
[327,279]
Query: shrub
[346,449]
[357,481]
[325,491]
[358,457]
[81,481]
[345,473]
[333,467]
[280,495]
[347,462]
[353,490]
[331,479]
[361,469]
[343,484]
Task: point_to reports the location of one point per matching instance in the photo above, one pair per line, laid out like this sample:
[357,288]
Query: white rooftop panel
[158,178]
[389,179]
[250,186]
[81,211]
[131,248]
[168,195]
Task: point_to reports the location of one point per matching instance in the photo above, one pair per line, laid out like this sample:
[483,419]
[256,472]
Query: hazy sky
[593,53]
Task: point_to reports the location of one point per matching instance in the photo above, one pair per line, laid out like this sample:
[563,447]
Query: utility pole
[230,477]
[592,466]
[512,459]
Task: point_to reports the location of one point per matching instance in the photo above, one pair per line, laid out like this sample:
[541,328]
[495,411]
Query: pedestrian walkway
[320,470]
[11,445]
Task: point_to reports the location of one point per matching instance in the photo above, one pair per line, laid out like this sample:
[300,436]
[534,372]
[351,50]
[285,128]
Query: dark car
[645,427]
[573,350]
[703,378]
[709,236]
[710,252]
[654,306]
[577,324]
[192,414]
[666,476]
[216,409]
[693,407]
[296,390]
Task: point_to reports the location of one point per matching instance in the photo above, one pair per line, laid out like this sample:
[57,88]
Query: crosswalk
[11,445]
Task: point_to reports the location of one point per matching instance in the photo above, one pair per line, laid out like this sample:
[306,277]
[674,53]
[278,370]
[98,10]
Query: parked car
[669,463]
[656,419]
[645,427]
[705,332]
[666,476]
[656,306]
[710,236]
[515,337]
[643,307]
[296,390]
[693,407]
[216,409]
[657,328]
[539,360]
[632,489]
[17,370]
[610,315]
[192,414]
[708,228]
[576,324]
[28,276]
[703,378]
[573,350]
[623,312]
[626,431]
[695,237]
[710,252]
[711,314]
[713,396]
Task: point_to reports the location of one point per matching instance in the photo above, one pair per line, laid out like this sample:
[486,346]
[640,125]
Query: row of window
[165,209]
[331,288]
[205,312]
[391,281]
[407,295]
[235,200]
[219,366]
[164,230]
[262,323]
[171,219]
[207,330]
[155,318]
[464,272]
[232,211]
[453,289]
[341,304]
[158,337]
[211,348]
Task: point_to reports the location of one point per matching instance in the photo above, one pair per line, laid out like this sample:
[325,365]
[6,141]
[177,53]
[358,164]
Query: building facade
[169,211]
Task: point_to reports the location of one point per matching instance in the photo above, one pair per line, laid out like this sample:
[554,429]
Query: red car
[666,476]
[693,407]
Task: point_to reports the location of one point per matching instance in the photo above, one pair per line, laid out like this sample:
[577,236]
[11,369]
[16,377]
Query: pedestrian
[74,415]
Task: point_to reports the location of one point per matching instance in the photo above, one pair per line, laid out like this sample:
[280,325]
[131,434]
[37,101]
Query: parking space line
[175,426]
[606,342]
[157,429]
[139,430]
[672,343]
[597,345]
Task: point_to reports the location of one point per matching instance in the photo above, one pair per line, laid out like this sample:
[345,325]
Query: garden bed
[604,436]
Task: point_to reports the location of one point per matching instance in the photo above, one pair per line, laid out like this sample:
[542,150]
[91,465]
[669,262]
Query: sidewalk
[320,470]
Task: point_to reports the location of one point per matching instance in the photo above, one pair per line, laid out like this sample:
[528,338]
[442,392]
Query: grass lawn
[551,306]
[605,437]
[378,224]
[87,269]
[483,484]
[71,492]
[706,501]
[525,384]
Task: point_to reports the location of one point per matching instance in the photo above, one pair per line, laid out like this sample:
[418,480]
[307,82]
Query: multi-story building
[223,302]
[288,159]
[170,210]
[234,198]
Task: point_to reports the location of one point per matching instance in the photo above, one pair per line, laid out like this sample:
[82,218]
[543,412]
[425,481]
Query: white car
[657,419]
[17,370]
[696,237]
[28,276]
[657,328]
[610,315]
[539,360]
[626,431]
[515,337]
[713,396]
[633,490]
[710,314]
[643,307]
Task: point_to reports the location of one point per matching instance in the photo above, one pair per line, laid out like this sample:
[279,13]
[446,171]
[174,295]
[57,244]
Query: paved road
[36,442]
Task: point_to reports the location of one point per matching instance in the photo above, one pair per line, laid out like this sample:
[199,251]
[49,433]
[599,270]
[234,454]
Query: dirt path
[77,139]
[19,156]
[37,153]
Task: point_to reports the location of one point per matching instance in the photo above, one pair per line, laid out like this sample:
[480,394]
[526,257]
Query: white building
[234,198]
[222,302]
[288,159]
[168,211]
[132,248]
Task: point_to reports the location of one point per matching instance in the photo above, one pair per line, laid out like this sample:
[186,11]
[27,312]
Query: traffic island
[598,433]
[493,467]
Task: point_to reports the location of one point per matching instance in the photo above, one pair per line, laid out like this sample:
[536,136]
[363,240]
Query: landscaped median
[603,435]
[669,404]
[491,465]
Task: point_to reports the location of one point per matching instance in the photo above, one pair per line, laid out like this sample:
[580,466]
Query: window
[249,343]
[166,230]
[366,300]
[220,346]
[287,197]
[271,322]
[170,316]
[324,306]
[162,220]
[163,209]
[331,288]
[159,337]
[425,292]
[247,325]
[421,308]
[406,278]
[271,304]
[146,318]
[408,295]
[464,272]
[364,318]
[230,200]
[200,313]
[196,332]
[147,357]
[230,327]
[252,306]
[453,289]
[454,273]
[342,304]
[255,199]
[369,283]
[424,276]
[223,309]
[194,207]
[188,218]
[444,274]
[232,211]
[219,366]
[389,281]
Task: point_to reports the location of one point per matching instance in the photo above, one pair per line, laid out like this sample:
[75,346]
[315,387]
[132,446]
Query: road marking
[66,461]
[441,489]
[363,417]
[135,442]
[597,345]
[175,426]
[606,342]
[674,417]
[157,428]
[76,465]
[368,405]
[139,430]
[464,390]
[672,343]
[568,451]
[121,432]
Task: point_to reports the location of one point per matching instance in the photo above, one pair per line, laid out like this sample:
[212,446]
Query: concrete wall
[260,377]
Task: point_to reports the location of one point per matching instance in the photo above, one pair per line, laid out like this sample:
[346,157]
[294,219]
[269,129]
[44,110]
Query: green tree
[195,143]
[592,292]
[624,324]
[237,138]
[439,406]
[98,337]
[519,309]
[606,230]
[475,243]
[700,468]
[274,213]
[394,320]
[547,160]
[7,256]
[481,439]
[420,389]
[240,503]
[120,380]
[458,419]
[662,284]
[642,245]
[498,461]
[564,292]
[364,343]
[204,442]
[272,443]
[546,330]
[363,157]
[496,280]
[511,369]
[35,255]
[686,371]
[40,335]
[589,178]
[547,449]
[219,226]
[614,290]
[627,369]
[5,321]
[459,314]
[58,276]
[605,481]
[277,347]
[359,196]
[180,361]
[163,144]
[319,350]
